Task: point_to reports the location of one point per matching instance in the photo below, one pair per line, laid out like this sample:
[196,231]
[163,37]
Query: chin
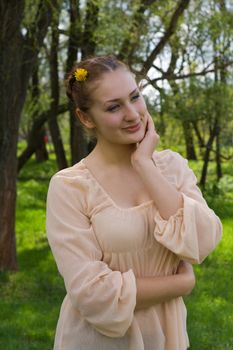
[136,140]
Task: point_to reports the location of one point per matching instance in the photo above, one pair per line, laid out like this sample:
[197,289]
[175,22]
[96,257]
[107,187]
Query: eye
[113,108]
[135,97]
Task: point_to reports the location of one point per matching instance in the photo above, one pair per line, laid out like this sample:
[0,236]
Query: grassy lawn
[30,299]
[210,307]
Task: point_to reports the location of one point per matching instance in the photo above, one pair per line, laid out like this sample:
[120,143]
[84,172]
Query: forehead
[114,85]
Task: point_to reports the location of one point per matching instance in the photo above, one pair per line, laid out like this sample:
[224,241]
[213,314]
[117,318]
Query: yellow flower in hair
[80,74]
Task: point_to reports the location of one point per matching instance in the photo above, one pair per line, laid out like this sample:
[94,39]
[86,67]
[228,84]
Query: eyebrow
[117,99]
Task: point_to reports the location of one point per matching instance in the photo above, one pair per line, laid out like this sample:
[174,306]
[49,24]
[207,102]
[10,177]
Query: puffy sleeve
[105,298]
[194,231]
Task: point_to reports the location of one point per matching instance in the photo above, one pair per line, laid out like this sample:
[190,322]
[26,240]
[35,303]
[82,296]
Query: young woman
[125,223]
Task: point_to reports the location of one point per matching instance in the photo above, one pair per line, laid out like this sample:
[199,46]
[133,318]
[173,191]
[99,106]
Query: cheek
[109,123]
[113,121]
[103,122]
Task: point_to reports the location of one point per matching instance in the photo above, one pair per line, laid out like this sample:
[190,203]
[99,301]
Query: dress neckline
[107,195]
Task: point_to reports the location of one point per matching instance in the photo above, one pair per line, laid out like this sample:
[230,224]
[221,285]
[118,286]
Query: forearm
[156,290]
[166,197]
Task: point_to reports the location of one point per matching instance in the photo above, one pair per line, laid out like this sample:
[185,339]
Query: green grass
[210,307]
[30,299]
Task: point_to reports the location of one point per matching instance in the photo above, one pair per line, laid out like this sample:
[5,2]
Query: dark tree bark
[186,124]
[41,152]
[223,79]
[213,134]
[34,135]
[78,143]
[83,40]
[218,157]
[201,141]
[74,42]
[54,81]
[88,49]
[90,25]
[17,58]
[189,143]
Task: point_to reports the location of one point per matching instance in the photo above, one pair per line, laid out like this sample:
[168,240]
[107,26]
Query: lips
[133,128]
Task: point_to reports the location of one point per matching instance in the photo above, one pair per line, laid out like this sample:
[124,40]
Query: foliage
[32,108]
[204,33]
[196,102]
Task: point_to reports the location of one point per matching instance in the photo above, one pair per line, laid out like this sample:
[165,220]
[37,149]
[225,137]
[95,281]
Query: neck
[114,154]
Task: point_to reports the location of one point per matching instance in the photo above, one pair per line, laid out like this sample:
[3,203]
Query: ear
[85,119]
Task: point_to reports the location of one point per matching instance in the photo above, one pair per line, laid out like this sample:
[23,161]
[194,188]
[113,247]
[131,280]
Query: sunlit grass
[210,307]
[30,298]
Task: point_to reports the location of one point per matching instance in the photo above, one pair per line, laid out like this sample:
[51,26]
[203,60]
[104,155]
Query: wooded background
[182,49]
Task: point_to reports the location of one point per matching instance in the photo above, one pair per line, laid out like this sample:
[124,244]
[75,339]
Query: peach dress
[100,248]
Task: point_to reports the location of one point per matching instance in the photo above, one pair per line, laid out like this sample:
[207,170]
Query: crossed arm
[156,290]
[168,199]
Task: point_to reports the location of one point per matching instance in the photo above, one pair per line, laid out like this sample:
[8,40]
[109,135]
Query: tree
[81,41]
[143,33]
[55,90]
[41,150]
[18,56]
[33,139]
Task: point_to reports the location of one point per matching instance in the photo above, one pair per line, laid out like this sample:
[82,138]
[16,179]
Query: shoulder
[69,182]
[74,175]
[77,186]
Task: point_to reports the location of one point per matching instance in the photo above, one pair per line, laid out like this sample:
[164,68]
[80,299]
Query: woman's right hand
[185,271]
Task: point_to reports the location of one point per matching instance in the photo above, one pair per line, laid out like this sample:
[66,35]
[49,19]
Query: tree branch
[203,72]
[183,4]
[91,22]
[36,34]
[129,46]
[34,132]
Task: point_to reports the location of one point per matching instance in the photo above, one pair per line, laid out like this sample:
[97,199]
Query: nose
[131,112]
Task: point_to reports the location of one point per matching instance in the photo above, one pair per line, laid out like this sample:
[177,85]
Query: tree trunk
[41,151]
[11,101]
[189,144]
[201,142]
[91,23]
[8,168]
[218,158]
[78,143]
[16,63]
[33,137]
[54,79]
[84,41]
[213,134]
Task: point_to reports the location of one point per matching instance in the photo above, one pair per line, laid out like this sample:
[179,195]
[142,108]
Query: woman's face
[118,109]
